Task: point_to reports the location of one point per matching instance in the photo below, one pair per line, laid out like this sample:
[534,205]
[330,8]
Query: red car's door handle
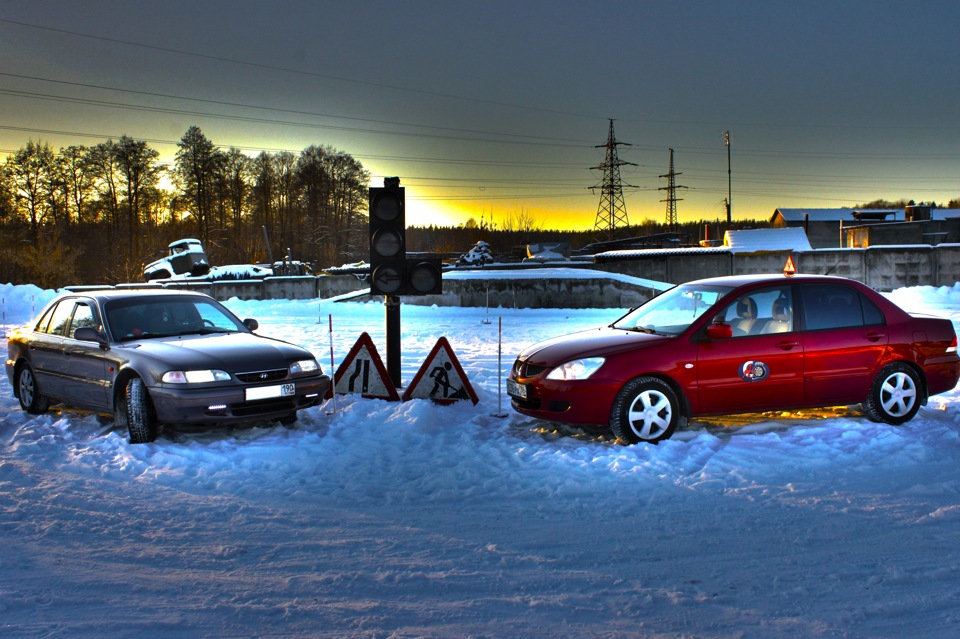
[874,336]
[787,345]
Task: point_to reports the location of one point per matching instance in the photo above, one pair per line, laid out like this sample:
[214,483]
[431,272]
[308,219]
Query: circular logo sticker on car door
[753,371]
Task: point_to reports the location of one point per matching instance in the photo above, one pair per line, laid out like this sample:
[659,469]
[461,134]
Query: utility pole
[611,212]
[726,139]
[672,199]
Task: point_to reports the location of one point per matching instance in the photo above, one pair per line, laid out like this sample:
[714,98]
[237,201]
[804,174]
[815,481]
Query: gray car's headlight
[195,377]
[304,366]
[576,369]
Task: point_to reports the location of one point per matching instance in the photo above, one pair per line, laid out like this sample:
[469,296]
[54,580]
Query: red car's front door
[750,373]
[761,367]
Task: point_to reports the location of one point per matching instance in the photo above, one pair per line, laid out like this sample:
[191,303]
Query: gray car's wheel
[646,410]
[28,392]
[138,413]
[895,395]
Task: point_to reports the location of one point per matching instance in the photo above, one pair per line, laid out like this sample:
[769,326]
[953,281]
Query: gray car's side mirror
[251,324]
[90,334]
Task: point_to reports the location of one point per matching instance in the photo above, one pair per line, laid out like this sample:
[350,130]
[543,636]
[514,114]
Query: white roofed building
[834,228]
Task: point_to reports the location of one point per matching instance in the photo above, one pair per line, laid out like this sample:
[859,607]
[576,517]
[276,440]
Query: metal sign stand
[500,412]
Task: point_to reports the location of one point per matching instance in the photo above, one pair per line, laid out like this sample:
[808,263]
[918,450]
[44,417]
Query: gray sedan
[151,357]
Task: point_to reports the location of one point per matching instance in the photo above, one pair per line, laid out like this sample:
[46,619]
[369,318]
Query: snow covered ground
[388,520]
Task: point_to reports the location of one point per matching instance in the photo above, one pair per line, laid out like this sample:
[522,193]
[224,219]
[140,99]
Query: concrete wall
[673,268]
[883,268]
[534,292]
[335,285]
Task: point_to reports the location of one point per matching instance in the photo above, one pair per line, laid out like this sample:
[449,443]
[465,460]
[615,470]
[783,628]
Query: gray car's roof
[104,294]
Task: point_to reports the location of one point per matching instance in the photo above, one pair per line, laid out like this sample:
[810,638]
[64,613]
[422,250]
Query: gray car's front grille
[263,376]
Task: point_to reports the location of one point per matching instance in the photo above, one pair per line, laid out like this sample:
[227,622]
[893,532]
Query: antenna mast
[672,199]
[612,212]
[726,140]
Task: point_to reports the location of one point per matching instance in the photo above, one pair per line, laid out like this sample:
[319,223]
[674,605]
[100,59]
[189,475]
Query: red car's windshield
[672,312]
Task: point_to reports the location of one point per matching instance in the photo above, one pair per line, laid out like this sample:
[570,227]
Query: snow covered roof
[944,214]
[761,240]
[616,255]
[833,215]
[848,215]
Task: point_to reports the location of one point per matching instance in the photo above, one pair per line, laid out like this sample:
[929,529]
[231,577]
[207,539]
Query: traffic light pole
[392,272]
[392,305]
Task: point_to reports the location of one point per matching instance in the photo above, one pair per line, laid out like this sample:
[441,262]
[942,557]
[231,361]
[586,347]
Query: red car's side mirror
[719,331]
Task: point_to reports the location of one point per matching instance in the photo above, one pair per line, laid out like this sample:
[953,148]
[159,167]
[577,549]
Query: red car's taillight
[953,345]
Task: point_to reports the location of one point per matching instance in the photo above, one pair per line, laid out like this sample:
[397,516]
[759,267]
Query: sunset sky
[490,110]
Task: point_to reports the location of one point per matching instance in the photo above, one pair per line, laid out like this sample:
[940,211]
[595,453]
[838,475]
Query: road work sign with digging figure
[441,378]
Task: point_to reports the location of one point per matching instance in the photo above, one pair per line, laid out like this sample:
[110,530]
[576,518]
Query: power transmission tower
[612,212]
[672,199]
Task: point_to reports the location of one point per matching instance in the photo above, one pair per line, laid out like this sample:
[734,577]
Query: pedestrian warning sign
[441,378]
[363,372]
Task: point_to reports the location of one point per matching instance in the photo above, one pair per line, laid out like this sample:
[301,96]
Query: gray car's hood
[231,352]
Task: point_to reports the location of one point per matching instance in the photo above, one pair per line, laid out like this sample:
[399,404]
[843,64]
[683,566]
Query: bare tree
[103,163]
[196,167]
[520,221]
[262,194]
[31,172]
[285,194]
[140,173]
[79,172]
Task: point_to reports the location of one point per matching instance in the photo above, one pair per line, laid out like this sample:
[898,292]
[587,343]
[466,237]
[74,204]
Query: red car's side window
[760,312]
[828,306]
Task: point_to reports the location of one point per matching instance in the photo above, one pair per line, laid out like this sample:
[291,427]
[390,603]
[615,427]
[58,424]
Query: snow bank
[416,520]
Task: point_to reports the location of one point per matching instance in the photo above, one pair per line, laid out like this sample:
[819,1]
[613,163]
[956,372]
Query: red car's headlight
[576,369]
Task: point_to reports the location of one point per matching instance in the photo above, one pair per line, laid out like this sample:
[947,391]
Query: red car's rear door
[845,336]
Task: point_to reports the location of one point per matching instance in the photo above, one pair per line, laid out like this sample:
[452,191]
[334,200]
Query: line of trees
[99,213]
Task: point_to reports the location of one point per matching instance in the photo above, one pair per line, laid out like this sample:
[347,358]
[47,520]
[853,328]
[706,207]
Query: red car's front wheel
[646,410]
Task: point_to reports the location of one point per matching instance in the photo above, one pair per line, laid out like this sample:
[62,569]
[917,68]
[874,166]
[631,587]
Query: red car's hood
[599,342]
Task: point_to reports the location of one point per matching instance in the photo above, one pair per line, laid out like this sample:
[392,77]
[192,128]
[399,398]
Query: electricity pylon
[612,212]
[672,199]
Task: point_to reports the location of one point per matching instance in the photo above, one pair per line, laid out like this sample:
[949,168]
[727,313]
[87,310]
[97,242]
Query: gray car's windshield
[672,312]
[140,318]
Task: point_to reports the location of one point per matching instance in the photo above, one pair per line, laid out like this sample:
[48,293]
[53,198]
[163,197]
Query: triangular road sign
[363,372]
[788,268]
[441,378]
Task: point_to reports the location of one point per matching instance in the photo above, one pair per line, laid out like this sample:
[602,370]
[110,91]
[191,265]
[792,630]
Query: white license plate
[516,390]
[269,392]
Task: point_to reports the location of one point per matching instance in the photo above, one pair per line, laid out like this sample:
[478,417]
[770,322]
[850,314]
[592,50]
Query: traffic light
[424,274]
[387,239]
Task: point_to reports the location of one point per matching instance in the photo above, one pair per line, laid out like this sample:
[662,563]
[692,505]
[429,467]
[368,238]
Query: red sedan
[735,345]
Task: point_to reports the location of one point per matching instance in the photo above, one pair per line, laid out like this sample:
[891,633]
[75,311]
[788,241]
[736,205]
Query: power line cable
[313,74]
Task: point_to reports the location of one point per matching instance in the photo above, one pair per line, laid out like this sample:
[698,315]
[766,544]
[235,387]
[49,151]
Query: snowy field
[388,520]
